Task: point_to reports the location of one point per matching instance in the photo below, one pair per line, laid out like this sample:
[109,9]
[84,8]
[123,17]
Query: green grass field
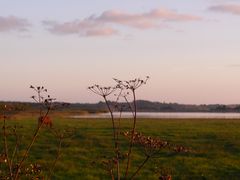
[215,143]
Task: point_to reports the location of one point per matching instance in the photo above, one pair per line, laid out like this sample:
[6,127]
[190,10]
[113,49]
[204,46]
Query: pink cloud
[101,32]
[227,8]
[100,25]
[169,15]
[12,23]
[121,18]
[143,20]
[83,28]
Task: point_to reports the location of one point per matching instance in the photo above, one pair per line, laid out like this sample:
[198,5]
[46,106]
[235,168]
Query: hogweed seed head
[152,145]
[132,84]
[102,91]
[41,98]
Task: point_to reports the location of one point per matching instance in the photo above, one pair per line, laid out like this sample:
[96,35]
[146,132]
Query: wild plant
[151,146]
[45,103]
[15,165]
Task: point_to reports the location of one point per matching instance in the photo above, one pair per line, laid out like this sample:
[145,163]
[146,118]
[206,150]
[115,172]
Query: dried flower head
[41,97]
[153,145]
[132,84]
[147,141]
[38,88]
[102,91]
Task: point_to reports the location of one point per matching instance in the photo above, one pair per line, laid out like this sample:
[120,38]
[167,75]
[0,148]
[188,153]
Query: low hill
[142,106]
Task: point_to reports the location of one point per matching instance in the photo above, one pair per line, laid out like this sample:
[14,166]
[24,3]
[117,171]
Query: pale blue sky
[190,49]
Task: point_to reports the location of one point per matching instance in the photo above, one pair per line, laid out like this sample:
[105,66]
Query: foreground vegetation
[215,144]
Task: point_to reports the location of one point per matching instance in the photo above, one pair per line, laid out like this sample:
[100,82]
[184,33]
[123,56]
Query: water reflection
[171,115]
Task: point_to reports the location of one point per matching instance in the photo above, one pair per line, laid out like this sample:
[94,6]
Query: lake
[166,115]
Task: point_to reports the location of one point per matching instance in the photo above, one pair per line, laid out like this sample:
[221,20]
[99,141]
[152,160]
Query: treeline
[148,106]
[142,106]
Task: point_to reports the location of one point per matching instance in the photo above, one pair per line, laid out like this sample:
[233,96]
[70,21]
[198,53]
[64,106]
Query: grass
[215,143]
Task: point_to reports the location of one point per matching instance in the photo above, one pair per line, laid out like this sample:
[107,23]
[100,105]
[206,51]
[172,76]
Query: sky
[190,49]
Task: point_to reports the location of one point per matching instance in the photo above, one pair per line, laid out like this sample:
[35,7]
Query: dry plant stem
[118,127]
[16,146]
[39,100]
[6,147]
[130,107]
[133,132]
[29,147]
[140,167]
[56,159]
[116,150]
[112,118]
[118,131]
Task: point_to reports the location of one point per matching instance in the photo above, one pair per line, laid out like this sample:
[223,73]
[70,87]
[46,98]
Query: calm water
[172,115]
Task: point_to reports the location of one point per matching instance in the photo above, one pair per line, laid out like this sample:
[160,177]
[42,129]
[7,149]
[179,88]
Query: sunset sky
[190,49]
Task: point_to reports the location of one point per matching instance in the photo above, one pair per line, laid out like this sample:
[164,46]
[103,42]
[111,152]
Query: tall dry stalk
[151,146]
[131,85]
[43,102]
[106,91]
[15,164]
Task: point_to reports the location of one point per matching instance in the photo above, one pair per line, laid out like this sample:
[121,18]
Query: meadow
[215,144]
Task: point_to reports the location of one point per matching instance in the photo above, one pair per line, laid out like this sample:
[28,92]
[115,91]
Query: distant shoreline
[142,106]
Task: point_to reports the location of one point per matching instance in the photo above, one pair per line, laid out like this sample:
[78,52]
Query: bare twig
[57,157]
[140,167]
[133,132]
[104,92]
[116,150]
[16,144]
[29,147]
[42,102]
[6,145]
